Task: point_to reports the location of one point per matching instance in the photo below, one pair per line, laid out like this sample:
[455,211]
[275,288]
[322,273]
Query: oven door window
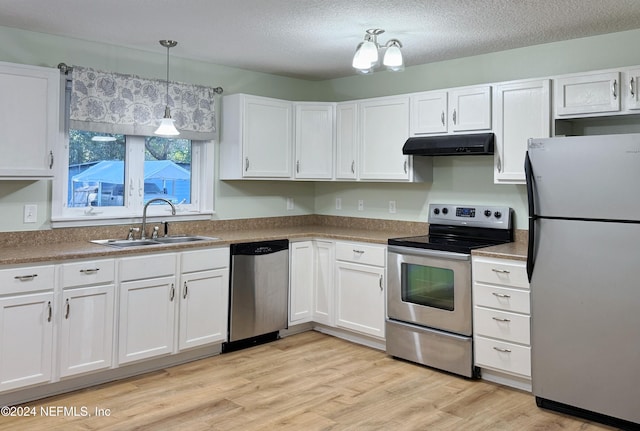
[427,285]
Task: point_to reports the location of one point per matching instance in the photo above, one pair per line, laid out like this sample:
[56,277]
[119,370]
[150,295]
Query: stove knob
[498,214]
[487,213]
[436,211]
[445,210]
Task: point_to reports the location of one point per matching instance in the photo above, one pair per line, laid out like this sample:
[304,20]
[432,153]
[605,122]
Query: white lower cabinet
[86,331]
[301,281]
[147,306]
[323,286]
[501,320]
[204,297]
[26,326]
[360,281]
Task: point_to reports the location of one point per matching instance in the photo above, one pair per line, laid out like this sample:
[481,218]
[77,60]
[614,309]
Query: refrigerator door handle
[528,172]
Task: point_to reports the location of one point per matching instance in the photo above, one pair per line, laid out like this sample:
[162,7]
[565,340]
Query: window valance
[108,102]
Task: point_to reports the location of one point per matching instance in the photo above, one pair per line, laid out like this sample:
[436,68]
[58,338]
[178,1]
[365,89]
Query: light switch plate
[290,205]
[360,205]
[30,213]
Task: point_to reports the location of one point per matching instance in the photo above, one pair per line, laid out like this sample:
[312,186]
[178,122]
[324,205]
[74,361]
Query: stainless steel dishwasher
[259,293]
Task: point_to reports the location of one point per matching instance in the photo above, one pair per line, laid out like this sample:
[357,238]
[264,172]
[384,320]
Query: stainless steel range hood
[450,145]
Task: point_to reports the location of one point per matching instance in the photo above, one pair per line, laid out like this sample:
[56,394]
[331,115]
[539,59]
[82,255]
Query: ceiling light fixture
[366,57]
[167,128]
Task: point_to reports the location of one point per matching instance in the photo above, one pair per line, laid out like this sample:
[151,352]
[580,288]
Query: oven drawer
[500,271]
[499,324]
[503,356]
[502,298]
[361,253]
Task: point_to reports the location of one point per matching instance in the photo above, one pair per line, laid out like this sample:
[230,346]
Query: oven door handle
[428,253]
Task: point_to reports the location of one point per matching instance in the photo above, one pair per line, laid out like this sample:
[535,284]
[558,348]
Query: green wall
[456,179]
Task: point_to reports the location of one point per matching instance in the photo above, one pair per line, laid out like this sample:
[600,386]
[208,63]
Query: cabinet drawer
[88,273]
[502,298]
[499,324]
[149,266]
[500,271]
[361,253]
[503,356]
[204,260]
[26,279]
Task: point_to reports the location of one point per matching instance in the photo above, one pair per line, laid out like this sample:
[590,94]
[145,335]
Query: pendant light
[366,57]
[167,128]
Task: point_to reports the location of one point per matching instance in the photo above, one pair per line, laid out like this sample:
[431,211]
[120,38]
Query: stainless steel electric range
[429,310]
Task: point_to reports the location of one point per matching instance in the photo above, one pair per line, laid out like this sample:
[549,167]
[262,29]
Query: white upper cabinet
[314,142]
[470,109]
[458,110]
[522,110]
[29,120]
[589,93]
[257,138]
[346,141]
[630,87]
[384,130]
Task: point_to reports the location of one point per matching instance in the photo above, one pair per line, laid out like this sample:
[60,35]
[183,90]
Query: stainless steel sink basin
[126,243]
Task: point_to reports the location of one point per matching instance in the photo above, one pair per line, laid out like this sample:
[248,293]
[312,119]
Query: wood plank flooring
[308,381]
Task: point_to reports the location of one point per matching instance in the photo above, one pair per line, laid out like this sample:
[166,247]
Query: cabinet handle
[184,295]
[614,88]
[499,164]
[381,283]
[500,295]
[405,166]
[50,311]
[172,292]
[498,319]
[631,90]
[90,270]
[51,159]
[353,166]
[454,117]
[246,164]
[500,271]
[25,277]
[68,309]
[297,166]
[502,350]
[442,118]
[358,251]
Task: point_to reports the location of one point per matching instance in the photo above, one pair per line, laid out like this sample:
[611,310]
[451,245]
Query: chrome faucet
[143,234]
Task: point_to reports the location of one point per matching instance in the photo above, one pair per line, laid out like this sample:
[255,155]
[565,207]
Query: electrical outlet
[30,213]
[290,205]
[338,203]
[360,205]
[392,207]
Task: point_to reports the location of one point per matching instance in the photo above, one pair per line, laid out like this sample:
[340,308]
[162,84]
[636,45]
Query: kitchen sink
[177,239]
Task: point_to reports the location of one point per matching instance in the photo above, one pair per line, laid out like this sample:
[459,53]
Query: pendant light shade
[393,56]
[167,128]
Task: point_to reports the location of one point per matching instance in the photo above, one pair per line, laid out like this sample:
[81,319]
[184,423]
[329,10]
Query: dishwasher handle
[260,247]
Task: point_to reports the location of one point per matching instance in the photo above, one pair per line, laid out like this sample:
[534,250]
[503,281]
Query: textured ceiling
[316,39]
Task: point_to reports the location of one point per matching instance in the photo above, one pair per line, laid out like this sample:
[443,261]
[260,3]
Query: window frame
[202,180]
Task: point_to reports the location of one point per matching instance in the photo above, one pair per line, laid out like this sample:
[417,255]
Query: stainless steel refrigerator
[584,268]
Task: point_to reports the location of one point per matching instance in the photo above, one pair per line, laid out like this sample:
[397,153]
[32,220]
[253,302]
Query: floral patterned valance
[108,102]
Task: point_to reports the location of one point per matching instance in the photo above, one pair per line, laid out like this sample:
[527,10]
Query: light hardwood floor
[308,381]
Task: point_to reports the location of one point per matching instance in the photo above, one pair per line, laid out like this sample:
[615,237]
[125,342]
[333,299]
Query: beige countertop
[18,248]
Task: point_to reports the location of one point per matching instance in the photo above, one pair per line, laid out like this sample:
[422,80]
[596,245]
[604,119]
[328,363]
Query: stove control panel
[496,217]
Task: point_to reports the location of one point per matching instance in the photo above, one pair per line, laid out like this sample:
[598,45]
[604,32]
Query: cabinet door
[301,281]
[86,331]
[314,141]
[428,113]
[470,109]
[346,141]
[587,94]
[522,110]
[26,333]
[384,130]
[147,316]
[360,296]
[28,120]
[204,304]
[267,138]
[323,286]
[630,89]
